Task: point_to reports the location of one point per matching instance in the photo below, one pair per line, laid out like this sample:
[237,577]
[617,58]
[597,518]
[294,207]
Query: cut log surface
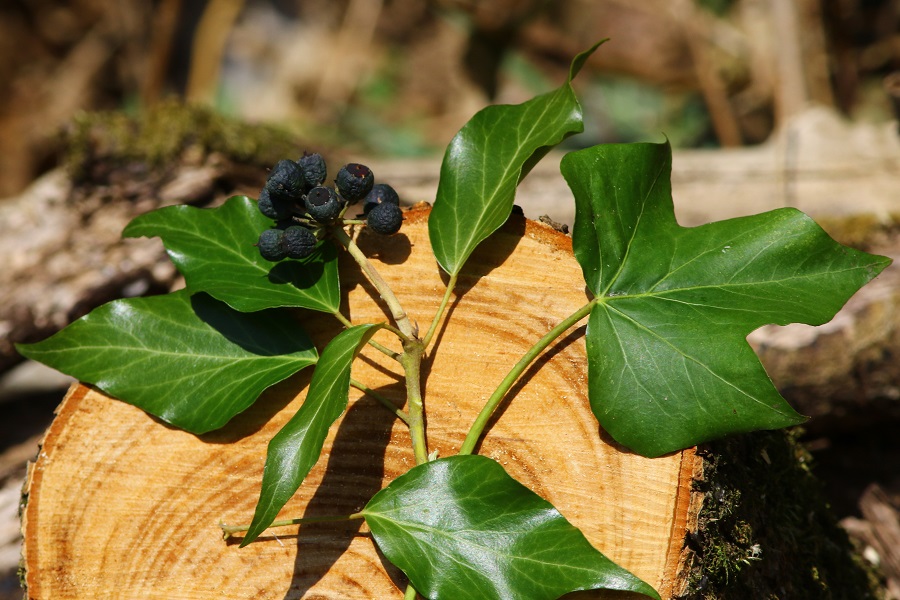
[121,505]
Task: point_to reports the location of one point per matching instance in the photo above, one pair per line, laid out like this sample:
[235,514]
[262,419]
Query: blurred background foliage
[399,77]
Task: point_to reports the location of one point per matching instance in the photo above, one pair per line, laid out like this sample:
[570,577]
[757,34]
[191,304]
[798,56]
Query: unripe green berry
[322,204]
[299,242]
[385,218]
[381,192]
[314,170]
[271,245]
[354,181]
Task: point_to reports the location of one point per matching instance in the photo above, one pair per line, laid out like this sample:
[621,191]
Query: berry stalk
[406,329]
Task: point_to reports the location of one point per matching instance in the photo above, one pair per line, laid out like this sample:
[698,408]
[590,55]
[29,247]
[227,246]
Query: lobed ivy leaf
[297,446]
[668,361]
[190,360]
[215,249]
[461,528]
[485,162]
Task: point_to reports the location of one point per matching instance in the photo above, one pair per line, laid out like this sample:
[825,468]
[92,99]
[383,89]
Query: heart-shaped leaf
[462,529]
[215,249]
[297,446]
[485,162]
[668,361]
[190,360]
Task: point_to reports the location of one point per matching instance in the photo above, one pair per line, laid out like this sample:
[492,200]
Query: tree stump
[119,504]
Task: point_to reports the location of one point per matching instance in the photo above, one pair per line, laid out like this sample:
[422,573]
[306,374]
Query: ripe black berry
[299,242]
[313,166]
[381,192]
[322,204]
[354,181]
[385,218]
[275,209]
[271,246]
[286,181]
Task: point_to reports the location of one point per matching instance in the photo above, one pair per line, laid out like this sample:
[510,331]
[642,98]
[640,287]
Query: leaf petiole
[451,285]
[381,348]
[468,445]
[230,530]
[400,414]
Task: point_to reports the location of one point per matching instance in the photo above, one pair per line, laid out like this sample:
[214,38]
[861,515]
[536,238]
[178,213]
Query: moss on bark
[170,133]
[766,531]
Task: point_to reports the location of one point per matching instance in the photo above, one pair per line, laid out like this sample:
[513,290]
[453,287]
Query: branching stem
[412,369]
[413,348]
[493,402]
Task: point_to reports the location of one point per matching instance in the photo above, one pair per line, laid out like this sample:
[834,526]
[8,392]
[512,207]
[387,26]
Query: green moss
[765,529]
[168,132]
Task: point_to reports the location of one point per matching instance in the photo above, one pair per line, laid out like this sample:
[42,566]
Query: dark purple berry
[275,209]
[271,245]
[354,181]
[385,218]
[381,192]
[286,181]
[299,242]
[323,205]
[313,166]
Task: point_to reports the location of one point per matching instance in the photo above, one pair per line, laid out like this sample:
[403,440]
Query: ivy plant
[668,362]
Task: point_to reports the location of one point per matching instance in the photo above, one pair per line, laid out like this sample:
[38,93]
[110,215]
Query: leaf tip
[23,349]
[580,59]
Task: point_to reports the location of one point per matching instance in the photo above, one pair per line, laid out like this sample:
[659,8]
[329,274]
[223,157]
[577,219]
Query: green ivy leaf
[189,360]
[296,448]
[668,361]
[215,250]
[485,162]
[462,528]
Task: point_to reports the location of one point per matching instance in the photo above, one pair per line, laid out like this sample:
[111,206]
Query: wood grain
[121,505]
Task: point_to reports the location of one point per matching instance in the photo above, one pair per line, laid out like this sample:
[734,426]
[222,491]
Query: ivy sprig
[668,313]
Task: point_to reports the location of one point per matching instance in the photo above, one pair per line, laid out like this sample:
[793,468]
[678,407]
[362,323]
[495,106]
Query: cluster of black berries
[296,198]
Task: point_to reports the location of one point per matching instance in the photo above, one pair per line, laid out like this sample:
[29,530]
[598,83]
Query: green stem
[344,320]
[396,331]
[490,406]
[411,593]
[406,329]
[412,368]
[440,312]
[230,530]
[413,349]
[383,349]
[400,414]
